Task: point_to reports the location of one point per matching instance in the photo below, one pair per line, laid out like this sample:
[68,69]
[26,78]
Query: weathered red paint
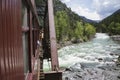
[30,39]
[53,76]
[2,70]
[53,47]
[11,55]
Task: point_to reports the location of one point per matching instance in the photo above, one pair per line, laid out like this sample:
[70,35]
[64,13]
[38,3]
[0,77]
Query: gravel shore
[106,71]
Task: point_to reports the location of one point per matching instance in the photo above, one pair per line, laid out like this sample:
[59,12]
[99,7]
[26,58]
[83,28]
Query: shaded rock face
[63,44]
[75,41]
[116,37]
[101,72]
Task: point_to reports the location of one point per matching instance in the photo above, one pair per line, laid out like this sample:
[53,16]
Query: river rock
[118,77]
[111,54]
[76,41]
[100,59]
[116,37]
[100,67]
[105,72]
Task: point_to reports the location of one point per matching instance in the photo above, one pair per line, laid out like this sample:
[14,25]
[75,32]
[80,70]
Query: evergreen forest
[111,24]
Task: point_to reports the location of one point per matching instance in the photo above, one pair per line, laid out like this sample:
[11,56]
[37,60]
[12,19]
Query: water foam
[89,52]
[101,36]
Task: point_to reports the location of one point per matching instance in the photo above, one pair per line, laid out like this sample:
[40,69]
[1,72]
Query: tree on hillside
[111,28]
[62,25]
[111,24]
[89,30]
[79,30]
[114,28]
[117,29]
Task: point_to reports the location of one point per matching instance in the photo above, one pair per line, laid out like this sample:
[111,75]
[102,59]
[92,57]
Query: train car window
[24,15]
[25,38]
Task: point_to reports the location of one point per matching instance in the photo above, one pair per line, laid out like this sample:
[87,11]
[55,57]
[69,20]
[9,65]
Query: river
[86,58]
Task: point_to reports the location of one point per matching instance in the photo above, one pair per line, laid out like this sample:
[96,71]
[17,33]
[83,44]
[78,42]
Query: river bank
[104,72]
[63,44]
[115,37]
[71,42]
[101,70]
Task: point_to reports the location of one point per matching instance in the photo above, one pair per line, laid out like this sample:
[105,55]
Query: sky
[93,9]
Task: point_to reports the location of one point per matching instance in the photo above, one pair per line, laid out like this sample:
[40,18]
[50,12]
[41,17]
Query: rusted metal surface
[53,47]
[30,40]
[25,29]
[53,76]
[33,37]
[33,9]
[11,55]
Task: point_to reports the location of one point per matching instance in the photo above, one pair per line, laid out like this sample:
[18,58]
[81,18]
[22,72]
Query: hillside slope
[69,25]
[111,24]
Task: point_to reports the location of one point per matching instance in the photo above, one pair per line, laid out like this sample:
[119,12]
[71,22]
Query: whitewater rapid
[93,60]
[89,53]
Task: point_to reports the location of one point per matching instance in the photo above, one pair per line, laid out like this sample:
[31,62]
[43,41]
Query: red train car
[19,32]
